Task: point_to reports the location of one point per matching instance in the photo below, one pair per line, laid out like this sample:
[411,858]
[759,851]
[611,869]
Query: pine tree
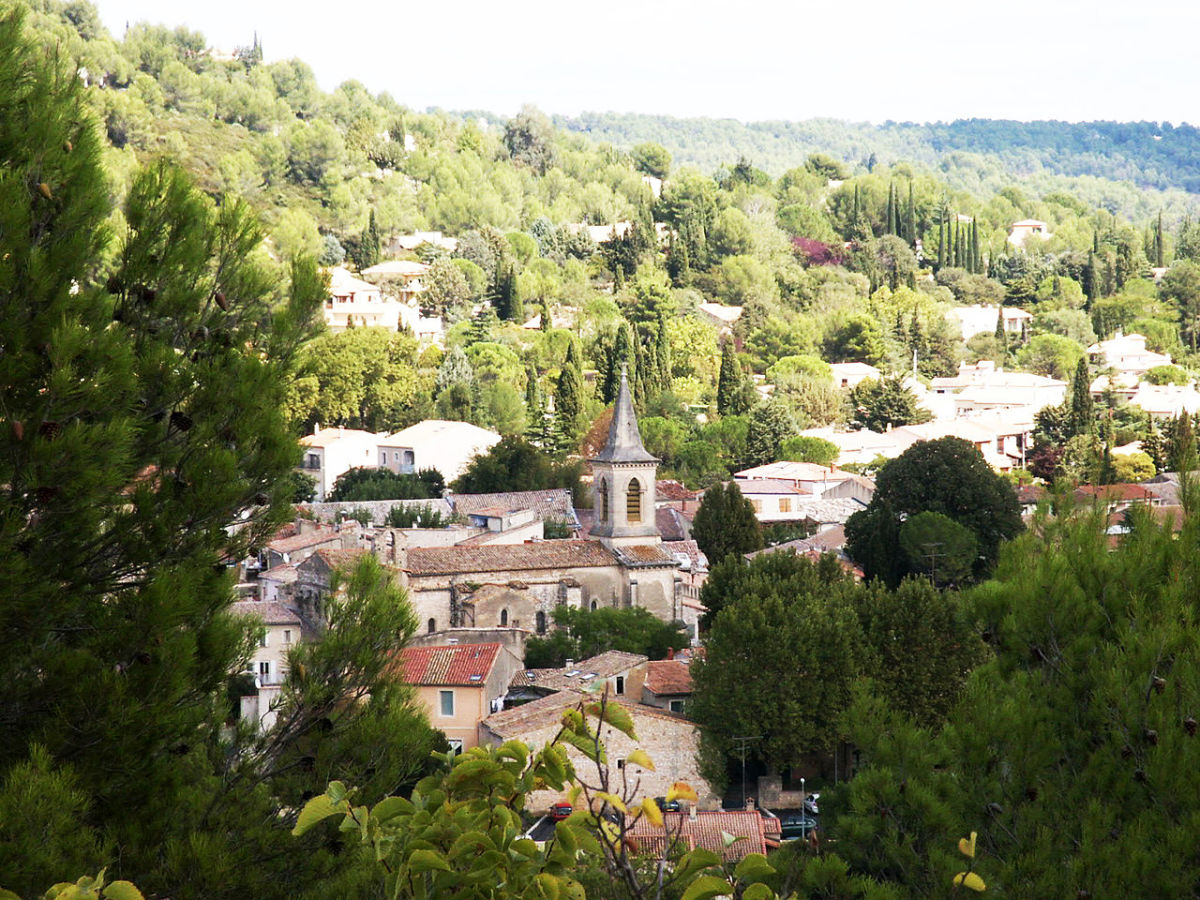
[725,524]
[892,213]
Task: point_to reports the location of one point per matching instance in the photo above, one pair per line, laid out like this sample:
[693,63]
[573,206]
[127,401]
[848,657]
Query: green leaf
[547,886]
[615,715]
[758,891]
[753,867]
[698,859]
[8,895]
[707,886]
[586,746]
[426,861]
[390,807]
[317,810]
[123,890]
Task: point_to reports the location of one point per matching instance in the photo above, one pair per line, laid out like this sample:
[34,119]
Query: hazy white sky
[750,60]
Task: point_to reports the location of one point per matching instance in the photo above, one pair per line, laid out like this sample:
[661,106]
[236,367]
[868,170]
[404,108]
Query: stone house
[668,684]
[669,740]
[281,630]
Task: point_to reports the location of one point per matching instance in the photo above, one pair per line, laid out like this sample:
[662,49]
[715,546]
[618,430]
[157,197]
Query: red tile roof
[1114,492]
[668,676]
[508,557]
[465,664]
[704,831]
[673,490]
[529,717]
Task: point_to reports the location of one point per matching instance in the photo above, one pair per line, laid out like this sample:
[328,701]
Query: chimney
[692,812]
[670,653]
[568,663]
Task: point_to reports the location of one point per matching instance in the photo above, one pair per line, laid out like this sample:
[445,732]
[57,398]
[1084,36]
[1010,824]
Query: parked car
[795,824]
[810,804]
[668,805]
[561,810]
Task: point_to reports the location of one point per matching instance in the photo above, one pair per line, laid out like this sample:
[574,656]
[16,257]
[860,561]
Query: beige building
[331,452]
[669,740]
[434,444]
[356,303]
[459,685]
[268,665]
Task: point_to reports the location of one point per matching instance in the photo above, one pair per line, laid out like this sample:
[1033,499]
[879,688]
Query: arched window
[603,499]
[633,502]
[593,606]
[541,623]
[503,618]
[432,625]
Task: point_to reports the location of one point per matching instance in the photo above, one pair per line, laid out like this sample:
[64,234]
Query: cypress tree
[725,524]
[942,257]
[1159,252]
[1001,335]
[371,245]
[910,218]
[1082,415]
[663,353]
[729,382]
[568,401]
[891,208]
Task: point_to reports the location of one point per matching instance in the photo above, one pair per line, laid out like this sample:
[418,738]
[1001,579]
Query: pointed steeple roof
[624,440]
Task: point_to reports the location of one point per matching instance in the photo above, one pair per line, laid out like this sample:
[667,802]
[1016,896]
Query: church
[518,586]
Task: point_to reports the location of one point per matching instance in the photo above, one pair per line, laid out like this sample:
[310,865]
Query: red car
[561,810]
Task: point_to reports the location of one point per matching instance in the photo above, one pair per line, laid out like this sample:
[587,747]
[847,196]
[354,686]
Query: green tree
[514,464]
[725,524]
[883,404]
[568,401]
[948,476]
[1051,355]
[1081,416]
[144,382]
[529,137]
[652,159]
[770,425]
[939,547]
[361,484]
[590,632]
[732,396]
[806,448]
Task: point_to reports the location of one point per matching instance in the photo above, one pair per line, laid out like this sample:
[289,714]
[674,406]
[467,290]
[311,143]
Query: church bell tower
[623,481]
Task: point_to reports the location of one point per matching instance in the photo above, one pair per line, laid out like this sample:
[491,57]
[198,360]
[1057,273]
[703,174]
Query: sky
[752,60]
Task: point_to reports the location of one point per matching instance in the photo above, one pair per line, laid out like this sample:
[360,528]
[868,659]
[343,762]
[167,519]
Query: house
[850,375]
[683,832]
[984,439]
[281,628]
[299,547]
[1019,232]
[549,505]
[354,302]
[830,539]
[668,684]
[670,741]
[434,444]
[861,447]
[621,674]
[809,478]
[719,315]
[403,279]
[331,452]
[1166,401]
[1127,354]
[983,388]
[406,243]
[980,319]
[459,685]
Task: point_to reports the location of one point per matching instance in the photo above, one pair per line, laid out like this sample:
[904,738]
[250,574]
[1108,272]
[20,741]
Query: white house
[1018,232]
[851,374]
[982,389]
[352,300]
[979,319]
[985,439]
[404,278]
[330,452]
[268,665]
[434,444]
[1127,354]
[858,447]
[808,478]
[719,315]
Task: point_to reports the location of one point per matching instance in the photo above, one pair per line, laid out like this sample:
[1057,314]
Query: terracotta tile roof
[673,490]
[464,664]
[704,831]
[548,710]
[606,665]
[668,676]
[334,557]
[672,524]
[269,612]
[302,541]
[1114,493]
[550,505]
[508,557]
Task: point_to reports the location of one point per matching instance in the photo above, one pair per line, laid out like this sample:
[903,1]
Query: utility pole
[933,556]
[745,742]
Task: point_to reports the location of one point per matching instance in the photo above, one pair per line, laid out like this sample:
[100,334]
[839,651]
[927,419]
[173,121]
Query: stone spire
[624,443]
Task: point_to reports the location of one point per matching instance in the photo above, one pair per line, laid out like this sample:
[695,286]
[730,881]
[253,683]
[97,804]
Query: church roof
[624,443]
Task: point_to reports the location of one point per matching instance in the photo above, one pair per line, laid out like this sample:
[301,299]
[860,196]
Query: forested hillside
[1127,167]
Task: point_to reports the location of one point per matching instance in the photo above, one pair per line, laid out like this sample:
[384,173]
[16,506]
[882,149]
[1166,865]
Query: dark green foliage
[725,524]
[413,516]
[362,484]
[937,546]
[946,476]
[304,487]
[1081,413]
[770,425]
[529,137]
[731,393]
[514,464]
[805,448]
[568,401]
[883,404]
[583,633]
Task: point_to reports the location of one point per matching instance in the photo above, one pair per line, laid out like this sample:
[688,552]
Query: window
[504,618]
[620,764]
[757,504]
[603,499]
[676,706]
[262,639]
[541,623]
[287,636]
[785,504]
[446,702]
[456,746]
[633,502]
[432,625]
[620,684]
[594,606]
[264,671]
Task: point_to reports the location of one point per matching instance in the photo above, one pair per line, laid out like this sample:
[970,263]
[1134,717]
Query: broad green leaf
[707,886]
[691,863]
[390,807]
[615,715]
[758,891]
[640,757]
[317,810]
[525,847]
[426,861]
[547,886]
[573,890]
[589,747]
[753,867]
[122,890]
[8,895]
